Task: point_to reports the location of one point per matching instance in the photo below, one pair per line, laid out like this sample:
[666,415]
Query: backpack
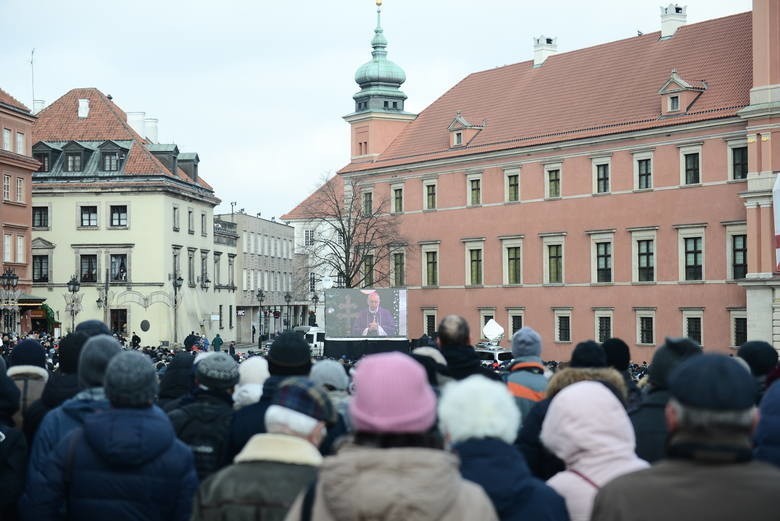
[204,427]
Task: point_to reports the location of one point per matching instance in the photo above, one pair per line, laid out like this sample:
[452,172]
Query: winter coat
[697,485]
[178,379]
[59,388]
[526,382]
[251,419]
[203,426]
[123,464]
[500,470]
[767,435]
[58,423]
[13,467]
[217,343]
[650,425]
[462,362]
[9,400]
[398,484]
[588,428]
[542,462]
[30,379]
[267,476]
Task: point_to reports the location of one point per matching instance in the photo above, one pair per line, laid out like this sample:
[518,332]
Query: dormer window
[674,103]
[678,95]
[73,162]
[458,140]
[462,132]
[43,159]
[110,161]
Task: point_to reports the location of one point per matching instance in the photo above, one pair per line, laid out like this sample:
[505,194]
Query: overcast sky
[258,88]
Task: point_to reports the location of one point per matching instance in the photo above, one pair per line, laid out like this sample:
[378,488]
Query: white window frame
[21,143]
[429,312]
[730,146]
[733,315]
[483,314]
[469,179]
[595,163]
[641,156]
[6,187]
[562,312]
[8,245]
[692,313]
[671,107]
[393,188]
[468,245]
[426,184]
[20,190]
[79,222]
[507,174]
[552,240]
[595,238]
[547,169]
[20,249]
[392,274]
[424,250]
[604,312]
[644,313]
[691,149]
[512,312]
[506,243]
[176,216]
[364,194]
[7,140]
[687,232]
[457,138]
[643,234]
[733,229]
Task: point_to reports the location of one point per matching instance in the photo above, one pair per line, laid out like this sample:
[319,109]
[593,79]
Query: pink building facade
[620,190]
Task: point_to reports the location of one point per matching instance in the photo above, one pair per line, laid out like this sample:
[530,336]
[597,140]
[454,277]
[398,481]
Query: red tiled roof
[60,122]
[595,91]
[300,211]
[10,100]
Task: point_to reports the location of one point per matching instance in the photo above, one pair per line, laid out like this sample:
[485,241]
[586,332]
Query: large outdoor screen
[365,313]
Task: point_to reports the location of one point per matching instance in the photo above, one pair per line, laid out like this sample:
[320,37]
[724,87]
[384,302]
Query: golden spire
[379,3]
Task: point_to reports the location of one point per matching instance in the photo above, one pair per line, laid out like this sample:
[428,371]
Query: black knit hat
[28,352]
[69,351]
[667,357]
[131,381]
[759,355]
[713,382]
[289,356]
[618,354]
[588,354]
[93,327]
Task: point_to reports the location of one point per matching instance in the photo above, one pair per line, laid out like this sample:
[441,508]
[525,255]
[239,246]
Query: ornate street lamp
[177,283]
[260,298]
[73,287]
[9,280]
[288,299]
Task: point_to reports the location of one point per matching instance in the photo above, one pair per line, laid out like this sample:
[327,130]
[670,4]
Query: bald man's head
[453,330]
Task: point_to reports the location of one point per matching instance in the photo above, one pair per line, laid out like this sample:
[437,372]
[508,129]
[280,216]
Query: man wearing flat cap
[709,471]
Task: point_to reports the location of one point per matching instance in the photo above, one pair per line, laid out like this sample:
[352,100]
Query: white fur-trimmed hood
[31,370]
[279,447]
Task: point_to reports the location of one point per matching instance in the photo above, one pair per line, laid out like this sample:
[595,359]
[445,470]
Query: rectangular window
[645,260]
[40,216]
[89,216]
[119,215]
[646,330]
[563,328]
[6,187]
[674,103]
[739,162]
[431,268]
[603,262]
[308,237]
[602,178]
[221,323]
[517,322]
[118,267]
[514,264]
[204,271]
[19,189]
[7,144]
[398,200]
[191,268]
[693,258]
[73,162]
[475,191]
[604,328]
[512,187]
[430,322]
[190,220]
[398,269]
[43,159]
[645,174]
[740,331]
[40,268]
[8,248]
[20,143]
[739,257]
[204,230]
[555,263]
[692,168]
[20,249]
[693,328]
[110,161]
[430,196]
[475,267]
[88,268]
[458,138]
[368,271]
[176,218]
[368,203]
[553,183]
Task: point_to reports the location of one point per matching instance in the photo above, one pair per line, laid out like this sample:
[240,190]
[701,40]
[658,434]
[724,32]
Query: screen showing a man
[374,320]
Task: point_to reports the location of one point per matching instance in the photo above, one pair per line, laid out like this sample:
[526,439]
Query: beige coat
[30,380]
[401,484]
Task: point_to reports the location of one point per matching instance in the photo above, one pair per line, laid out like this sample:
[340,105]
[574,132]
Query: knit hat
[392,395]
[131,381]
[667,357]
[760,356]
[304,396]
[526,342]
[94,358]
[713,382]
[330,372]
[289,356]
[253,370]
[588,354]
[618,354]
[28,352]
[69,351]
[93,327]
[218,371]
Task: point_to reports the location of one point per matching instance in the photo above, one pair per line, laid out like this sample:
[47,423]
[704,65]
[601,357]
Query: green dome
[380,71]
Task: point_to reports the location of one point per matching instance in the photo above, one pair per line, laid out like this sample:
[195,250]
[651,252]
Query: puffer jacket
[588,428]
[649,423]
[398,484]
[122,465]
[767,435]
[13,466]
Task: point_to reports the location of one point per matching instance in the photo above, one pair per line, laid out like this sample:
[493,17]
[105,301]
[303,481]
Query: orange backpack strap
[521,391]
[527,365]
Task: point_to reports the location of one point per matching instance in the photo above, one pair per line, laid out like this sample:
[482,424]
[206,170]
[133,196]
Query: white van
[315,337]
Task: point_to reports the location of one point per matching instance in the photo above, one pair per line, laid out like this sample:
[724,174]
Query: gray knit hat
[217,371]
[131,381]
[94,358]
[526,342]
[331,373]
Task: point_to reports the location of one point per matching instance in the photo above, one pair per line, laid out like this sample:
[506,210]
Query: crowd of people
[426,435]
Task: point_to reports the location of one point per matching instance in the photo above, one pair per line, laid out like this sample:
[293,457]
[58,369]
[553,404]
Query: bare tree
[351,233]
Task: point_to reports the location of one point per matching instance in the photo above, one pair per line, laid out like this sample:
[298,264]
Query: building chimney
[38,105]
[543,48]
[136,122]
[83,108]
[673,17]
[150,126]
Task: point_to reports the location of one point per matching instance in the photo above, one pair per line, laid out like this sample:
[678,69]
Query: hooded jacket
[30,379]
[250,420]
[124,464]
[767,435]
[178,379]
[59,388]
[527,382]
[462,362]
[587,427]
[398,484]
